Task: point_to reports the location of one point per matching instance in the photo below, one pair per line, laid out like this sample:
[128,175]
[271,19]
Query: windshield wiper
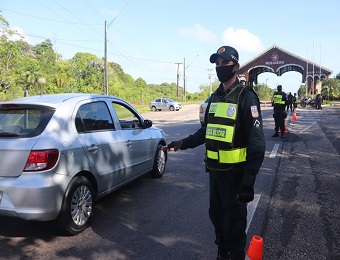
[9,134]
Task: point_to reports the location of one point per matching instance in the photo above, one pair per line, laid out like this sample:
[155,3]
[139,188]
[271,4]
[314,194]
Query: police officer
[290,102]
[279,101]
[295,101]
[235,148]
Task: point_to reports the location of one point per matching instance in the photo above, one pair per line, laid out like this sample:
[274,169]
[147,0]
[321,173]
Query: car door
[158,103]
[164,103]
[137,139]
[102,143]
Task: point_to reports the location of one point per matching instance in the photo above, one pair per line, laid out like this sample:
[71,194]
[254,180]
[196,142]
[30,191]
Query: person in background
[318,100]
[235,147]
[243,81]
[295,101]
[290,102]
[279,102]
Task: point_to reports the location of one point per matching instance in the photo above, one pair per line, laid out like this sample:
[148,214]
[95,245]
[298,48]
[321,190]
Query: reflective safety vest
[224,145]
[278,99]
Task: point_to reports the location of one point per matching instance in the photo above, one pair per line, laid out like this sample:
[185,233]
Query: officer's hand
[246,194]
[175,145]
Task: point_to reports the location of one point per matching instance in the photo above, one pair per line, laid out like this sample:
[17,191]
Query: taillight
[41,160]
[201,109]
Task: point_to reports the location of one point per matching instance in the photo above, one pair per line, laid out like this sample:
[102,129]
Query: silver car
[164,103]
[60,153]
[202,109]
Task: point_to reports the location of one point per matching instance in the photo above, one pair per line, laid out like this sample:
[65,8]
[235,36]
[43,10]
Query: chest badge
[231,111]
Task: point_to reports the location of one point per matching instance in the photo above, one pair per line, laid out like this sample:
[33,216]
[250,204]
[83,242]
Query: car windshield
[23,122]
[170,100]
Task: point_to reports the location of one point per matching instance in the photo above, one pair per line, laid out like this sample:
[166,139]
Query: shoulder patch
[254,111]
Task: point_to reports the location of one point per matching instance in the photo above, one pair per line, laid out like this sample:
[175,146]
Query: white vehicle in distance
[164,104]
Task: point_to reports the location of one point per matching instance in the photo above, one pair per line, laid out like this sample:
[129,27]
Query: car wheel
[77,208]
[159,163]
[171,108]
[154,109]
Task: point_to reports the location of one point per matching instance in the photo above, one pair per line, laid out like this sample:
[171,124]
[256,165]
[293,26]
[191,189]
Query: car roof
[54,100]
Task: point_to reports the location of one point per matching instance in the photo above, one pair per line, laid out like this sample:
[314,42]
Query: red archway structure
[278,61]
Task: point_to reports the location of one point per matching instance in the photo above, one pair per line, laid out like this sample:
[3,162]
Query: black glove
[175,144]
[246,194]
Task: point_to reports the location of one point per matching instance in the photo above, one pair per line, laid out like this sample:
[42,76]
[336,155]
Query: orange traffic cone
[255,250]
[294,115]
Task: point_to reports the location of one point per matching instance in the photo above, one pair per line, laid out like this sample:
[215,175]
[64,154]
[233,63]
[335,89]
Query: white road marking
[308,127]
[251,207]
[274,151]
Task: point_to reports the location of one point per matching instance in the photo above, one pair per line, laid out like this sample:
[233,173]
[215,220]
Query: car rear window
[23,122]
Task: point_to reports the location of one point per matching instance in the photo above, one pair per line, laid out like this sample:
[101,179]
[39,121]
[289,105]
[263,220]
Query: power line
[45,19]
[66,20]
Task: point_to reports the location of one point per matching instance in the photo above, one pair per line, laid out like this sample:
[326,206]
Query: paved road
[296,209]
[303,221]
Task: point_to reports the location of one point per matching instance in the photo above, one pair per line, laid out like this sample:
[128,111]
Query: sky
[152,39]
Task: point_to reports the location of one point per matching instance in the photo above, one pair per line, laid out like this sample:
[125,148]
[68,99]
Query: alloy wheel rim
[161,161]
[81,205]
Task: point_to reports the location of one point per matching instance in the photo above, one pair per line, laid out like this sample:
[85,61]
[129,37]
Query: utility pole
[185,94]
[106,88]
[184,79]
[209,76]
[178,63]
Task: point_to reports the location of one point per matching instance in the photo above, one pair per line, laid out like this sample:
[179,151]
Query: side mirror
[147,123]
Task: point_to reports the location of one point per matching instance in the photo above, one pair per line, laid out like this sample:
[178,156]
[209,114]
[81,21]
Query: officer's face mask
[225,73]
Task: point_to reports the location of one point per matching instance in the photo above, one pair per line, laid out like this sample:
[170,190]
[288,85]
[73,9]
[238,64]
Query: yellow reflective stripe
[278,99]
[212,155]
[224,110]
[233,156]
[230,156]
[221,133]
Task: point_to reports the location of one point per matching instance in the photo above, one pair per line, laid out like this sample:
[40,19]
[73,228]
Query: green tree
[31,76]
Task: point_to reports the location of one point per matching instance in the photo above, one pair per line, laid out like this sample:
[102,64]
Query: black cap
[279,87]
[225,52]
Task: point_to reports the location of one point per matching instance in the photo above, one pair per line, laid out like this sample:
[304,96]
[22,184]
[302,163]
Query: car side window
[94,116]
[128,119]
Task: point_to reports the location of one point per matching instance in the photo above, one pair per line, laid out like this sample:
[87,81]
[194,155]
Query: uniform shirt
[251,123]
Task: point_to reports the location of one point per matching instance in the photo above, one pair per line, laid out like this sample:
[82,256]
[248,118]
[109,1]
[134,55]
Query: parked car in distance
[60,153]
[164,103]
[202,109]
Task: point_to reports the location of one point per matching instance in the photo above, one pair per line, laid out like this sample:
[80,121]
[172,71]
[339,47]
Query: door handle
[93,149]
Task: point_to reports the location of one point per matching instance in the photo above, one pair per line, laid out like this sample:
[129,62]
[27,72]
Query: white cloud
[19,34]
[242,40]
[200,33]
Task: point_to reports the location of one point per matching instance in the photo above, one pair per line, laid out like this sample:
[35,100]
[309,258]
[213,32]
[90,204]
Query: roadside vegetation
[39,69]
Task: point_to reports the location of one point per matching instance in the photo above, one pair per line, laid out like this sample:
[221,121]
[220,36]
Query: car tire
[77,207]
[154,109]
[171,108]
[159,163]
